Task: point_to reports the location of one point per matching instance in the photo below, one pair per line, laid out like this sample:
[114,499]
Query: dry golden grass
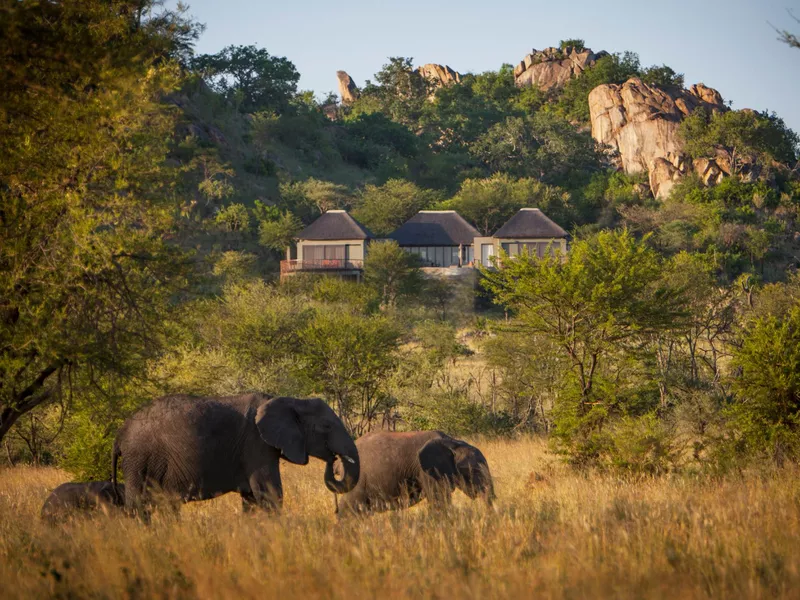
[553,533]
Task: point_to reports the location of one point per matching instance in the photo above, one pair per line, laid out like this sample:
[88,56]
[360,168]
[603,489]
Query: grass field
[552,534]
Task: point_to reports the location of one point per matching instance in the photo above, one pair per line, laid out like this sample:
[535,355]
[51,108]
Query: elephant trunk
[350,467]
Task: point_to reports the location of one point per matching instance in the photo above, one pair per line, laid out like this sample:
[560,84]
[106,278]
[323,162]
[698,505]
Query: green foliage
[573,103]
[454,413]
[278,234]
[249,77]
[593,306]
[663,76]
[489,203]
[545,146]
[531,371]
[768,407]
[392,272]
[235,267]
[439,341]
[352,295]
[350,358]
[312,197]
[86,272]
[745,135]
[234,217]
[643,445]
[384,208]
[576,43]
[400,94]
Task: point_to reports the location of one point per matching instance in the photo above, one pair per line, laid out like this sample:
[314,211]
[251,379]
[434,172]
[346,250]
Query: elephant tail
[115,454]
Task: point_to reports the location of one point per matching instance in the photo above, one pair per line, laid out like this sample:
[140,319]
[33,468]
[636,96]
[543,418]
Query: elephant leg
[266,488]
[137,500]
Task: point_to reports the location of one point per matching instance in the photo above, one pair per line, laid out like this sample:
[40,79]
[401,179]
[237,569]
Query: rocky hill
[551,68]
[437,75]
[641,123]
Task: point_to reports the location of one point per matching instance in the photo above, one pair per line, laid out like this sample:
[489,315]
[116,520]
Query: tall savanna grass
[553,533]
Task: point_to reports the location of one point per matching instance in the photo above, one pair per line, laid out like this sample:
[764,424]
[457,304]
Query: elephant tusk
[348,459]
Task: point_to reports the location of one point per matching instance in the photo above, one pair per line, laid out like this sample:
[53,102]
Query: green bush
[454,413]
[642,445]
[767,408]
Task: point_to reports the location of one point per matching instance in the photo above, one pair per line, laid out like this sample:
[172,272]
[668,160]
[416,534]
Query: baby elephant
[400,469]
[68,498]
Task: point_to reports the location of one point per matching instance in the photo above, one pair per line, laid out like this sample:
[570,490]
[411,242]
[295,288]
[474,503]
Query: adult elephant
[194,448]
[400,469]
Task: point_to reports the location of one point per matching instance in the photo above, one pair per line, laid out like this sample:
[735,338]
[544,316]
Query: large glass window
[435,256]
[331,252]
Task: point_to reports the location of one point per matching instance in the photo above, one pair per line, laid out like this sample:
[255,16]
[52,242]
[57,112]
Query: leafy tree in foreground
[350,358]
[594,306]
[392,272]
[767,409]
[86,203]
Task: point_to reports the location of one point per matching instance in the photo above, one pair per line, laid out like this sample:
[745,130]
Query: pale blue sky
[726,44]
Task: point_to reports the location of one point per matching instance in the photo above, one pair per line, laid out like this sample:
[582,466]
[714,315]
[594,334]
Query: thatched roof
[335,225]
[435,228]
[530,223]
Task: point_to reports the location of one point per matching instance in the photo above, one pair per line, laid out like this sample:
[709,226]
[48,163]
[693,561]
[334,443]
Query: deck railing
[325,264]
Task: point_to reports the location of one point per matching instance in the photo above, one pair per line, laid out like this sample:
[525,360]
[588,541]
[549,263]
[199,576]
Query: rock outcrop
[347,88]
[551,68]
[641,123]
[439,75]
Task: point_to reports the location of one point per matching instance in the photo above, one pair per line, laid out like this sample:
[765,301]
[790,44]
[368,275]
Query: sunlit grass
[552,533]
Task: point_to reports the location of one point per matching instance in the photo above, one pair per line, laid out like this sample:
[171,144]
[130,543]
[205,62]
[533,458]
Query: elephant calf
[398,470]
[69,498]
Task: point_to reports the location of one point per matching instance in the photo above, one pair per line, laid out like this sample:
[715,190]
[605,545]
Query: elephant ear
[279,426]
[437,459]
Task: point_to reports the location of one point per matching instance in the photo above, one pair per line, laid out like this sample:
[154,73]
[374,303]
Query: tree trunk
[28,399]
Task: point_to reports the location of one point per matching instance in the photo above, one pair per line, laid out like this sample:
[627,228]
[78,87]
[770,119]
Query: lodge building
[336,243]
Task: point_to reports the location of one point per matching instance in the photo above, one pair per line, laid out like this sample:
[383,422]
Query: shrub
[454,413]
[767,409]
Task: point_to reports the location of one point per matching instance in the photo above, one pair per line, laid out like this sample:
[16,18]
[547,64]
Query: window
[487,252]
[324,252]
[435,256]
[469,254]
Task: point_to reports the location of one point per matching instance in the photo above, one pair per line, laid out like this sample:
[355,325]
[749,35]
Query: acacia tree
[350,359]
[593,307]
[488,203]
[86,201]
[250,76]
[392,272]
[384,208]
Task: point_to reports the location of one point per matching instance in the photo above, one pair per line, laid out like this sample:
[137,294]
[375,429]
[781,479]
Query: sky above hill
[729,45]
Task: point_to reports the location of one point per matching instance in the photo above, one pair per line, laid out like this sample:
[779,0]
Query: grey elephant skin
[401,469]
[71,499]
[188,448]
